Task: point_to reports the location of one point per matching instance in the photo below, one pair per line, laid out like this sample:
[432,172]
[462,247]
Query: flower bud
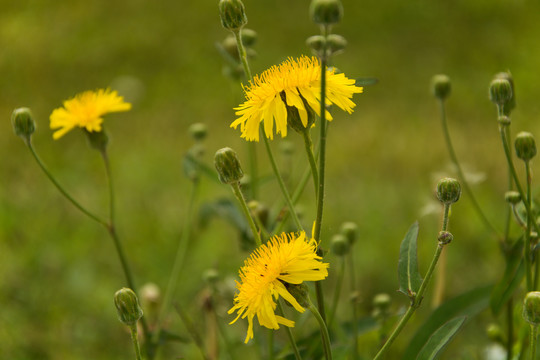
[228,166]
[340,245]
[233,14]
[509,105]
[525,146]
[448,190]
[23,123]
[127,305]
[198,131]
[150,295]
[326,12]
[97,140]
[531,308]
[495,333]
[300,292]
[512,197]
[500,91]
[249,37]
[445,237]
[350,230]
[382,301]
[441,86]
[211,276]
[504,120]
[316,43]
[259,211]
[335,43]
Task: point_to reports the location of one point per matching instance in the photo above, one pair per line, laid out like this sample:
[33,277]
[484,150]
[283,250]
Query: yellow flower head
[293,83]
[288,258]
[85,110]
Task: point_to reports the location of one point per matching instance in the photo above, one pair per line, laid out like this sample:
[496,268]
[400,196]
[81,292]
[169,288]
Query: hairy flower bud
[441,86]
[23,123]
[512,197]
[525,146]
[448,190]
[382,301]
[233,14]
[326,12]
[316,43]
[336,43]
[340,245]
[445,237]
[495,333]
[509,105]
[531,308]
[228,166]
[249,37]
[350,230]
[504,120]
[500,91]
[198,131]
[127,305]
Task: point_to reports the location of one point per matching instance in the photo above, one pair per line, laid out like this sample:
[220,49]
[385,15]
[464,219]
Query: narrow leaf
[408,275]
[467,304]
[440,338]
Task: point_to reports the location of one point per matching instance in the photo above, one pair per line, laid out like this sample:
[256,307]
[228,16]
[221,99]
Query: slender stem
[417,299]
[242,53]
[510,329]
[236,189]
[135,340]
[528,258]
[337,291]
[192,330]
[460,171]
[534,333]
[309,151]
[354,304]
[270,344]
[289,334]
[178,262]
[62,190]
[324,331]
[107,163]
[281,183]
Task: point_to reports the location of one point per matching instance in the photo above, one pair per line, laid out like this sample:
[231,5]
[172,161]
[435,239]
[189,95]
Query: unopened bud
[316,43]
[350,230]
[233,14]
[340,245]
[249,37]
[525,146]
[228,166]
[97,140]
[260,211]
[150,295]
[509,105]
[445,237]
[495,333]
[512,197]
[198,131]
[127,305]
[531,308]
[500,91]
[326,12]
[23,123]
[335,43]
[448,191]
[441,86]
[504,120]
[382,301]
[211,276]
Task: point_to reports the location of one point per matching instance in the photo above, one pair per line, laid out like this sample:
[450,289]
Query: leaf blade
[408,275]
[440,338]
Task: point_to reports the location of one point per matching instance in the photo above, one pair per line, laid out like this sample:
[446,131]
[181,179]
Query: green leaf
[408,275]
[366,81]
[513,275]
[467,304]
[440,338]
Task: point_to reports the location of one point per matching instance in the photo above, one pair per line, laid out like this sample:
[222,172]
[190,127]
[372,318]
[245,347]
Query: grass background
[58,270]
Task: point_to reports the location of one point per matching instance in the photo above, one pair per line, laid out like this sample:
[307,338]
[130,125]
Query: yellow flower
[288,258]
[85,110]
[292,83]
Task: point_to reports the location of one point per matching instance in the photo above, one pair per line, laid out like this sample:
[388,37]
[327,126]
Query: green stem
[236,189]
[324,331]
[289,334]
[192,330]
[528,258]
[461,175]
[61,189]
[337,292]
[281,183]
[135,340]
[354,304]
[510,329]
[309,151]
[177,265]
[417,299]
[534,333]
[270,344]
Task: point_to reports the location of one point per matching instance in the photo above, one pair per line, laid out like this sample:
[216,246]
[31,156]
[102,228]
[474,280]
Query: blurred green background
[58,269]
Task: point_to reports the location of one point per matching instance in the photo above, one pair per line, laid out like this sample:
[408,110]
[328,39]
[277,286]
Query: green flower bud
[127,305]
[150,296]
[97,140]
[504,120]
[316,43]
[260,211]
[300,292]
[445,237]
[382,302]
[531,308]
[525,146]
[326,12]
[512,197]
[350,230]
[500,91]
[287,147]
[340,245]
[230,46]
[23,123]
[441,86]
[211,276]
[509,105]
[495,333]
[198,131]
[249,37]
[336,43]
[448,190]
[233,14]
[228,166]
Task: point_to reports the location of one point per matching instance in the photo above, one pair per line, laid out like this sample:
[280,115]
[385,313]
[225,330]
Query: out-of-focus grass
[59,269]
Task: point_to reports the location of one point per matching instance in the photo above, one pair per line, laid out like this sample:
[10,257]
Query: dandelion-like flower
[85,110]
[294,83]
[285,259]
